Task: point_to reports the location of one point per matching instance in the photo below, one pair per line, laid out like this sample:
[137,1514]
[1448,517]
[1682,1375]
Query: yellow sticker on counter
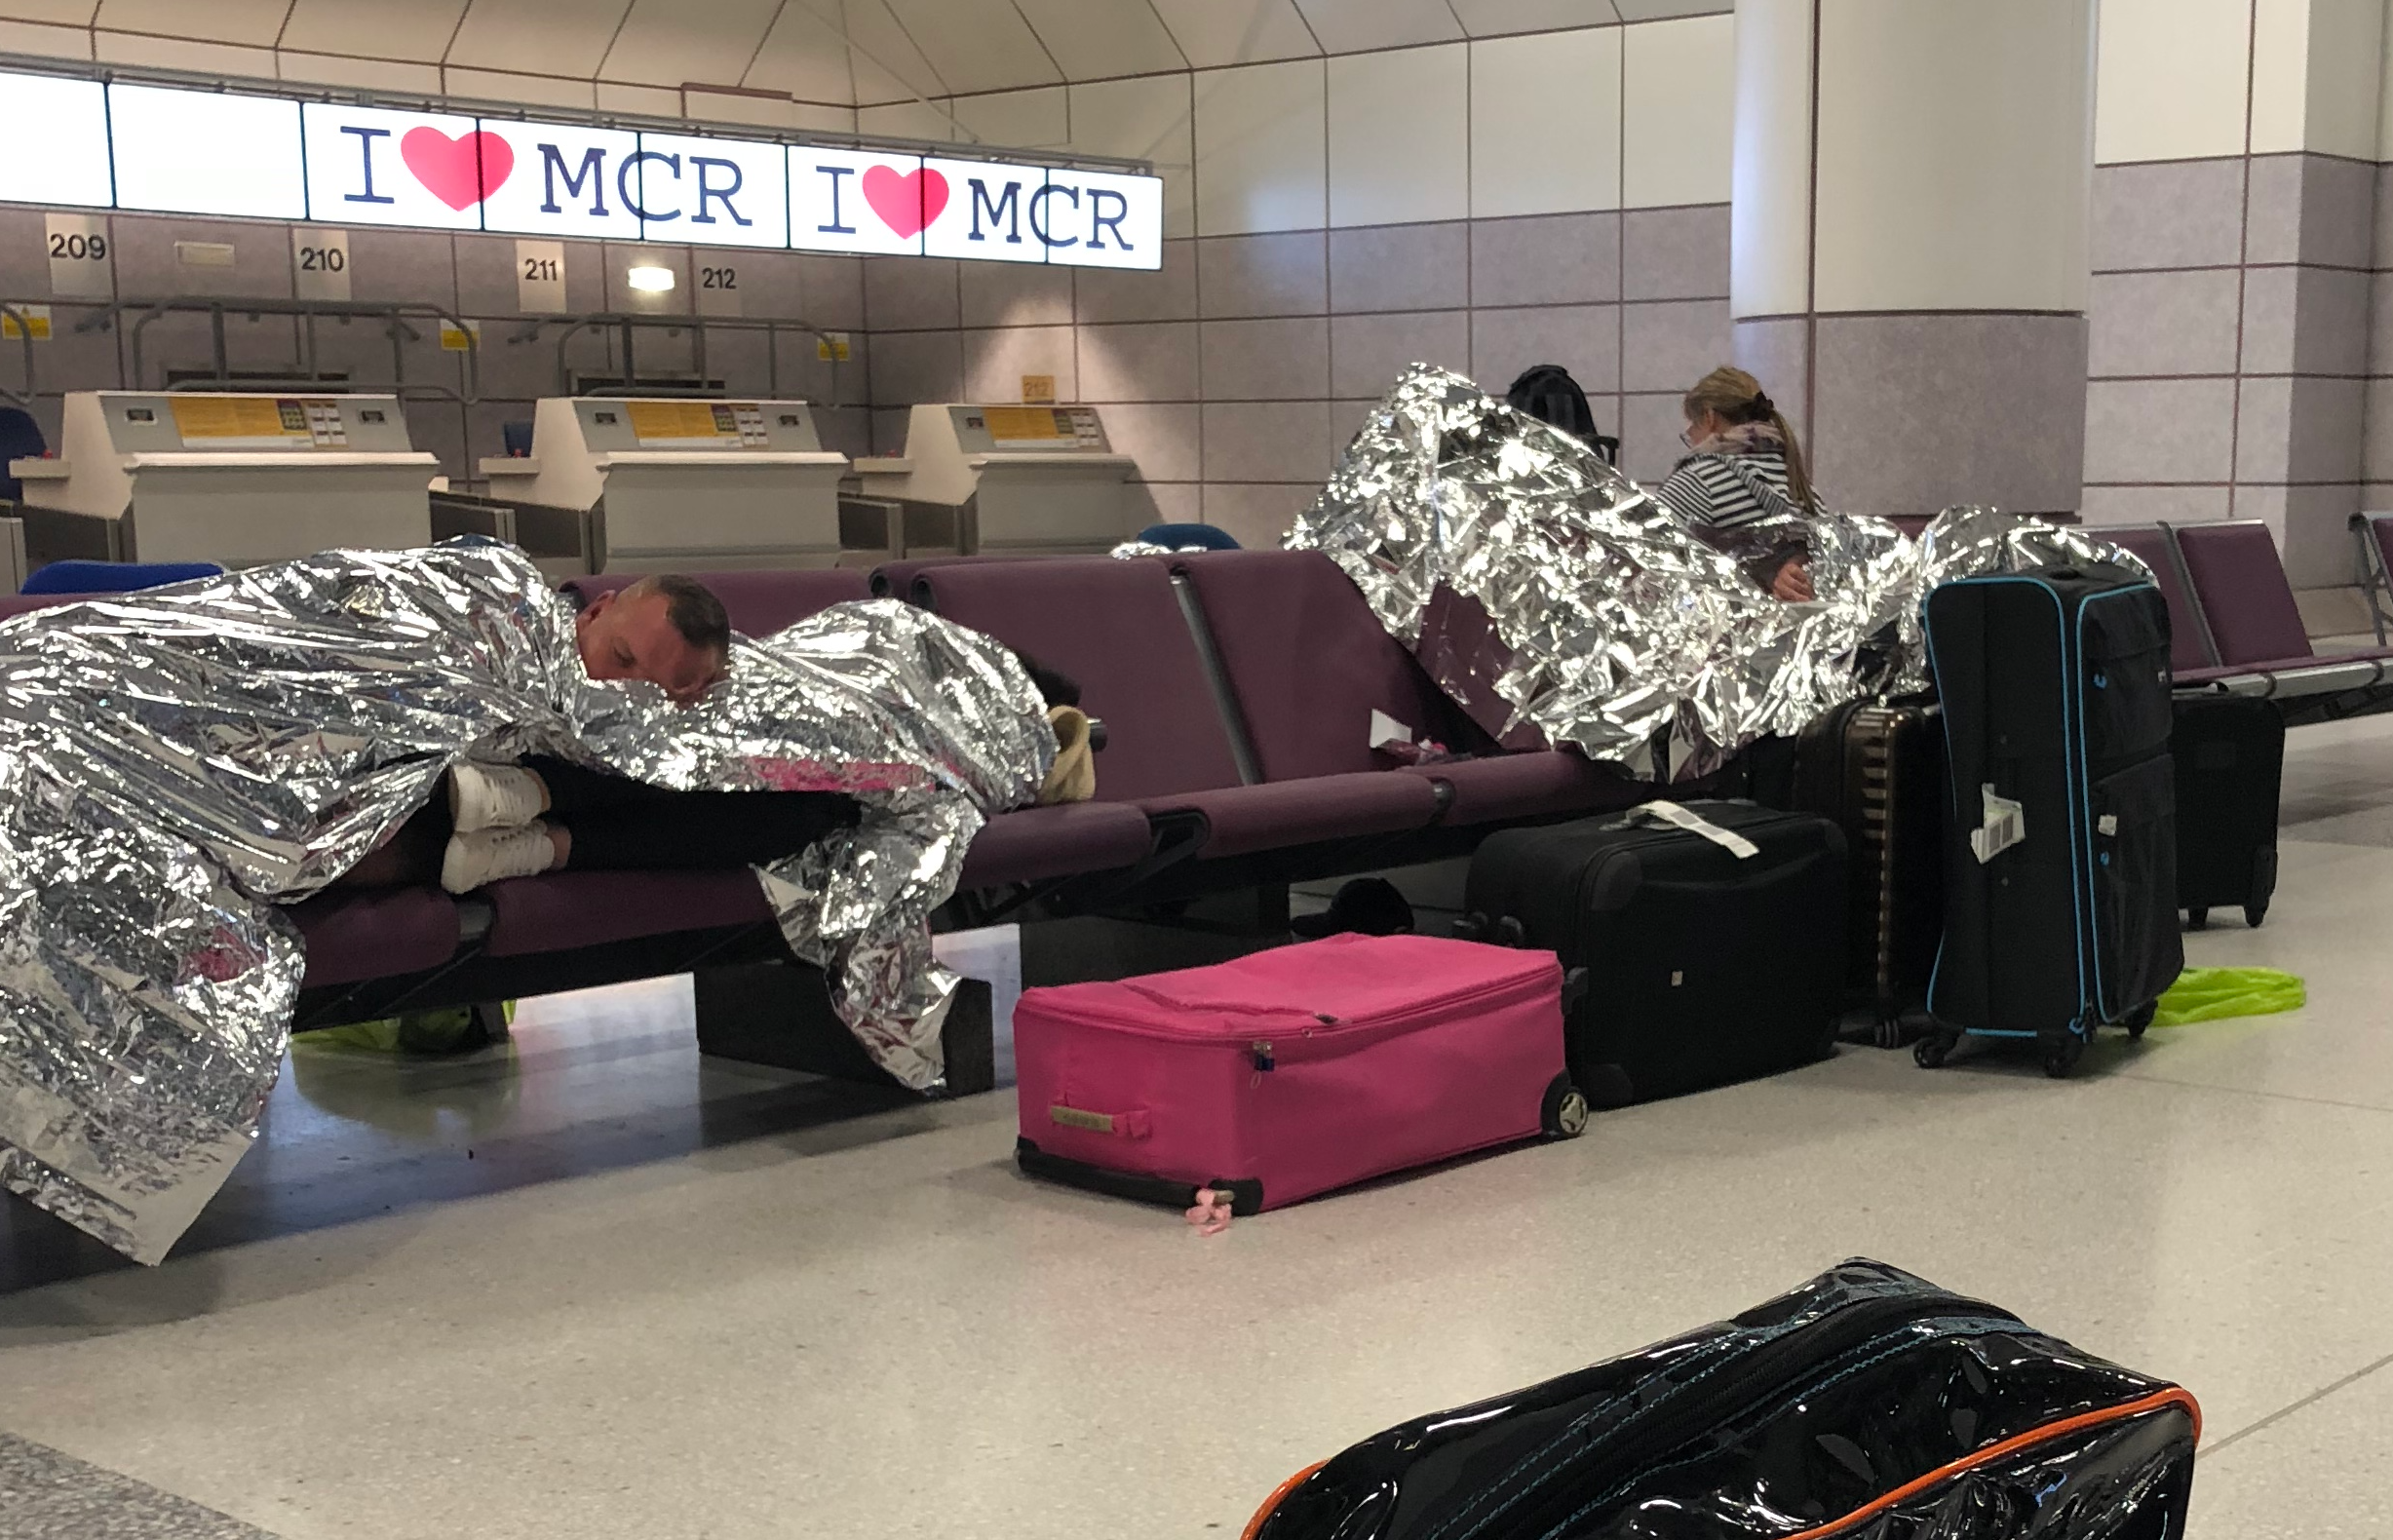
[227,422]
[455,339]
[831,348]
[1023,424]
[660,422]
[37,323]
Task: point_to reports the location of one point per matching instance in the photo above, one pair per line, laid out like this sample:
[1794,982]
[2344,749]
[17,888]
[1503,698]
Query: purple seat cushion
[2244,592]
[896,579]
[567,910]
[2149,542]
[1241,820]
[376,933]
[759,603]
[1309,662]
[1531,786]
[1034,844]
[25,603]
[1116,628]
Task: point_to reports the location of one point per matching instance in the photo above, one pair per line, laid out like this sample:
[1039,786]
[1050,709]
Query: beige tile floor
[662,1298]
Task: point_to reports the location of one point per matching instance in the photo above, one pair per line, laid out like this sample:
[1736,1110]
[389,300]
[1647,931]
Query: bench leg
[778,1013]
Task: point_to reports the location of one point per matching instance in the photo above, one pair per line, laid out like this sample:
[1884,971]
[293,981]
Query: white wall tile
[2280,74]
[45,41]
[1499,17]
[665,42]
[804,57]
[2348,41]
[1679,79]
[65,13]
[1020,120]
[371,75]
[1214,32]
[656,101]
[1350,27]
[1516,84]
[254,23]
[174,53]
[1093,39]
[548,37]
[536,91]
[2170,79]
[1261,149]
[1148,119]
[906,120]
[1399,127]
[974,46]
[414,30]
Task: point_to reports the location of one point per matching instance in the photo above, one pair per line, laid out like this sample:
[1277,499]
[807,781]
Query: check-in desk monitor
[236,480]
[677,484]
[995,479]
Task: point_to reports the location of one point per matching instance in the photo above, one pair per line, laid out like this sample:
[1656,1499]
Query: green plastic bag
[455,1030]
[2210,994]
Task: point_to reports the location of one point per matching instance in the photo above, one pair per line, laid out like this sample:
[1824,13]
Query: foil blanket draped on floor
[1559,603]
[177,764]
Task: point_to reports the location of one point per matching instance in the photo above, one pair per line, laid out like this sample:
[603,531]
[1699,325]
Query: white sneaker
[491,797]
[493,855]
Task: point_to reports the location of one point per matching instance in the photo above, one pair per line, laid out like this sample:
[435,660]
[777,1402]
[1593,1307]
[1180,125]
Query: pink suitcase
[1292,1071]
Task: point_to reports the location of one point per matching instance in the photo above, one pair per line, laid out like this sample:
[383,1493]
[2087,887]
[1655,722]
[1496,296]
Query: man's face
[631,636]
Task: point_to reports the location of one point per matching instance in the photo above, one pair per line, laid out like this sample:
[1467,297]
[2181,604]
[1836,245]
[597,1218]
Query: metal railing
[24,338]
[395,317]
[628,325]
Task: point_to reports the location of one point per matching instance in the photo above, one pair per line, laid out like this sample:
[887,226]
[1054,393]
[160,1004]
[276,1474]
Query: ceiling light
[650,280]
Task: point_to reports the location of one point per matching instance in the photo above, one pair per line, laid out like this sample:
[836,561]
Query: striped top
[1726,491]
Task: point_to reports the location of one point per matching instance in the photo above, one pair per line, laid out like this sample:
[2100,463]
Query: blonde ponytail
[1738,398]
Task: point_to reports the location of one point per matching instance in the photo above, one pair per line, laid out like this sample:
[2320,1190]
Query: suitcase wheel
[2197,917]
[2139,1018]
[2254,914]
[2062,1057]
[1931,1051]
[1565,1115]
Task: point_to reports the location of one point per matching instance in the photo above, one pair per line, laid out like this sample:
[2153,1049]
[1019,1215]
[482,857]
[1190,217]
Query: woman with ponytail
[1745,469]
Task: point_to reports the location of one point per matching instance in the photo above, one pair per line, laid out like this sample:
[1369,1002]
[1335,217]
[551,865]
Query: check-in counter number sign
[81,264]
[540,276]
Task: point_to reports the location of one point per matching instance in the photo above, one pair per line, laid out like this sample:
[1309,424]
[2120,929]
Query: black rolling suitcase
[1878,770]
[2061,847]
[2231,766]
[1714,946]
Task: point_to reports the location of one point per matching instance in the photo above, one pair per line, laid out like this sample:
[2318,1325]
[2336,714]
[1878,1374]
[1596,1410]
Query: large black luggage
[1878,770]
[2061,847]
[1714,946]
[2231,766]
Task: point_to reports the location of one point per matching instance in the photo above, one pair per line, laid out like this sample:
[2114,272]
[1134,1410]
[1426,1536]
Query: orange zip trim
[1278,1495]
[2175,1396]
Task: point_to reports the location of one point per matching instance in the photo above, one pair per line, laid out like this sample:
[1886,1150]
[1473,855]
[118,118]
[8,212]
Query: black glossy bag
[1867,1404]
[1713,948]
[2230,770]
[2060,838]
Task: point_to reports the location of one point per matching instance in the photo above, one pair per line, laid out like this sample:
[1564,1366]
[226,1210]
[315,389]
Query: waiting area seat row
[2237,628]
[1239,692]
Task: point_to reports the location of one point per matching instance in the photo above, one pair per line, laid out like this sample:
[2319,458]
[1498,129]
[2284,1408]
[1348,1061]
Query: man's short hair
[692,607]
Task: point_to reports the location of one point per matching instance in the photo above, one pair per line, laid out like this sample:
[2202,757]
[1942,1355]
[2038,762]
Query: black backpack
[1548,393]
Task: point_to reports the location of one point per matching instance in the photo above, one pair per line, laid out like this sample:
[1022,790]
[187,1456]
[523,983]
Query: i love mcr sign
[159,149]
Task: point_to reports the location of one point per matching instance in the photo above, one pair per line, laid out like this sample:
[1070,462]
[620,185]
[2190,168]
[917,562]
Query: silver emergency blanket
[176,766]
[1608,623]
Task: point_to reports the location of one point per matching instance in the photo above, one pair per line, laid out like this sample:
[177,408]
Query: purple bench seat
[2190,647]
[2254,623]
[1308,663]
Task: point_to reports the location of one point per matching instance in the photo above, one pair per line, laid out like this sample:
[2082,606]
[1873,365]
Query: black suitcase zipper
[1676,1420]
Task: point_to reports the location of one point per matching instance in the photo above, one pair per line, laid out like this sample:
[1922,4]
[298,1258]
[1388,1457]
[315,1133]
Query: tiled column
[1908,243]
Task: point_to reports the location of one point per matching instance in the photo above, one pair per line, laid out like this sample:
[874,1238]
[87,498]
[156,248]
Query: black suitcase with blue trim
[2061,835]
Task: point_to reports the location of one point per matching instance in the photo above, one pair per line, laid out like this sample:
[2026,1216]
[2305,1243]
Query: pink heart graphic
[905,204]
[461,172]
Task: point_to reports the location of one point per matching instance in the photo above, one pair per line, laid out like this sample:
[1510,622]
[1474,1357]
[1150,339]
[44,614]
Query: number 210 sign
[161,149]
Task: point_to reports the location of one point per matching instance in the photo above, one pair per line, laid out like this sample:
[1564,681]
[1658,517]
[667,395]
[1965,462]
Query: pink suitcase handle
[1131,1125]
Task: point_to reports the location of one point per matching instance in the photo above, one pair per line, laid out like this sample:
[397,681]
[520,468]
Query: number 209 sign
[157,149]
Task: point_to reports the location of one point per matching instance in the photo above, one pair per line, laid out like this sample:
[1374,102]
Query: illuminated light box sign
[166,150]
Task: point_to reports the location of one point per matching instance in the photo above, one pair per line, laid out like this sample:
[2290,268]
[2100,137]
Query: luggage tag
[2005,825]
[1734,843]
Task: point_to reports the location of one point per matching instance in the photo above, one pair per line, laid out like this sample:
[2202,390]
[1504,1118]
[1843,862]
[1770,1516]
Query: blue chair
[516,439]
[20,439]
[1204,537]
[115,577]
